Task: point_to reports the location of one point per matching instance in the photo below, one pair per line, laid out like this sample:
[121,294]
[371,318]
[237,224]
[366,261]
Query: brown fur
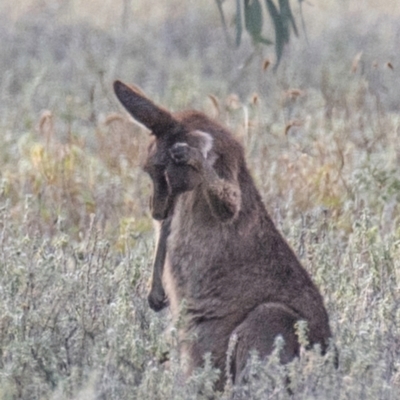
[224,256]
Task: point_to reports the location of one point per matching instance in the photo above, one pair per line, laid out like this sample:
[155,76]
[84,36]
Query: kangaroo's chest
[171,287]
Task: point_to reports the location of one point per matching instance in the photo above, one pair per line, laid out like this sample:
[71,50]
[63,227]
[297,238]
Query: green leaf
[287,16]
[254,21]
[223,21]
[239,27]
[253,17]
[264,40]
[281,33]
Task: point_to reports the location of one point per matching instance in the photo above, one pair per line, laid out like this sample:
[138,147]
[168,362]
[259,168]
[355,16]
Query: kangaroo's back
[232,266]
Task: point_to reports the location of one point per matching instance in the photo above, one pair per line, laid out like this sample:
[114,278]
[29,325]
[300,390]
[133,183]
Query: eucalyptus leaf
[265,41]
[253,17]
[254,21]
[239,26]
[250,13]
[280,31]
[287,17]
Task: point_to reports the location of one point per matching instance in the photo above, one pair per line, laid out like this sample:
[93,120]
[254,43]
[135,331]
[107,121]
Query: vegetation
[251,12]
[322,142]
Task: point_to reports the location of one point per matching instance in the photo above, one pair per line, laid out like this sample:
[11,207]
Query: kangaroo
[220,251]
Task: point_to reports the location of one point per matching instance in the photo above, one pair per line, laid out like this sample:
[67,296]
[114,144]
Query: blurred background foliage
[321,134]
[66,143]
[252,12]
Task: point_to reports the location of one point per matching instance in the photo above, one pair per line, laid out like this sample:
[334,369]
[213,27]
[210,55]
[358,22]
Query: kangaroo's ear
[143,110]
[204,140]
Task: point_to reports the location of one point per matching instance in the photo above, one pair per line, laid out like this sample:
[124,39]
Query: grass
[322,142]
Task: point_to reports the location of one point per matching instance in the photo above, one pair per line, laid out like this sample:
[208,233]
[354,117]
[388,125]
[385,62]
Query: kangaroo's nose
[159,215]
[159,207]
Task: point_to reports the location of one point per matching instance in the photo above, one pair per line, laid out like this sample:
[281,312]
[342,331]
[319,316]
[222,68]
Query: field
[322,139]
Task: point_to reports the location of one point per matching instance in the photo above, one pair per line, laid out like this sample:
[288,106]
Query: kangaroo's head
[169,179]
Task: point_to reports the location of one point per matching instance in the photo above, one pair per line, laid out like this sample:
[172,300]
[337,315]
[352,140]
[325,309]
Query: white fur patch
[181,144]
[157,233]
[206,142]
